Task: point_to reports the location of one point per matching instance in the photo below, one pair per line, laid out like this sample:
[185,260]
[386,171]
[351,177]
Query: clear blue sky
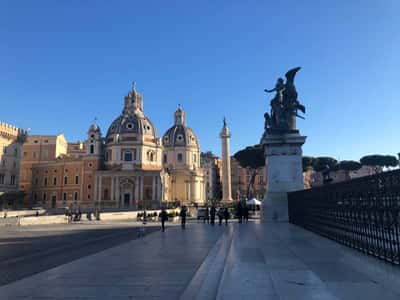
[64,62]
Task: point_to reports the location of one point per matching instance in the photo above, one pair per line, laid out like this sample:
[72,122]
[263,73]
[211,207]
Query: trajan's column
[226,164]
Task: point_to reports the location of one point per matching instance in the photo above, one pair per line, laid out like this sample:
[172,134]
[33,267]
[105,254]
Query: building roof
[179,134]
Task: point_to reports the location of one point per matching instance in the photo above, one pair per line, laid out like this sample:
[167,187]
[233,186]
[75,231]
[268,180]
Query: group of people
[164,217]
[242,212]
[76,215]
[73,215]
[222,214]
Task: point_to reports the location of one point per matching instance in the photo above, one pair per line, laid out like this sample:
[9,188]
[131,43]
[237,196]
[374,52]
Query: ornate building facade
[181,160]
[130,167]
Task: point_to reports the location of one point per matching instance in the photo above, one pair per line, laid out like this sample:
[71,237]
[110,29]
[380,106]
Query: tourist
[246,213]
[220,215]
[207,215]
[213,211]
[163,217]
[183,217]
[226,215]
[239,211]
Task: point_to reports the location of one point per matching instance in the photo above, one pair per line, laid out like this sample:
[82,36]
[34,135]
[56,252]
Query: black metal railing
[362,213]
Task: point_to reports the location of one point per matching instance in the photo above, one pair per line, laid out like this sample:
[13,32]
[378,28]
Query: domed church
[181,159]
[141,171]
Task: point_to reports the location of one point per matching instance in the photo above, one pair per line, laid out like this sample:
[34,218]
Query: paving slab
[238,261]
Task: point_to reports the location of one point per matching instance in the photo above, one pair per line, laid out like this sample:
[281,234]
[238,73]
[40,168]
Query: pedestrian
[226,215]
[239,211]
[213,211]
[183,217]
[163,217]
[220,215]
[246,213]
[37,213]
[207,216]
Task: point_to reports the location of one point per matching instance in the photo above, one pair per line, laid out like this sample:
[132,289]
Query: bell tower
[94,142]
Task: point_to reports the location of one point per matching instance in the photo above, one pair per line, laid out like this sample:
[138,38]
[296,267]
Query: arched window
[91,149]
[76,196]
[179,157]
[150,156]
[65,180]
[165,158]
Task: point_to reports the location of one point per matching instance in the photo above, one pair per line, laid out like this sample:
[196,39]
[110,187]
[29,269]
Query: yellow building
[181,158]
[11,141]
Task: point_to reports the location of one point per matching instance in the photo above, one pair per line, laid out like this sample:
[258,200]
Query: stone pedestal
[283,160]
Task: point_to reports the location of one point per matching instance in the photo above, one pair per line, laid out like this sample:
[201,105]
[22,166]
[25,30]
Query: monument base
[283,160]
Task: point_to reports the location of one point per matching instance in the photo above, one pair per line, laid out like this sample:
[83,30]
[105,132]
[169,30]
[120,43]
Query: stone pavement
[260,261]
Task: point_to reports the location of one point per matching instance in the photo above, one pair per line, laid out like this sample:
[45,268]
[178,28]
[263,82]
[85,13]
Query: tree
[251,158]
[379,160]
[349,165]
[307,162]
[320,163]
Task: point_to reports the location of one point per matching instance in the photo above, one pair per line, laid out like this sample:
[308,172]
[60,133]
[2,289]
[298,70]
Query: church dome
[94,127]
[132,119]
[179,134]
[131,124]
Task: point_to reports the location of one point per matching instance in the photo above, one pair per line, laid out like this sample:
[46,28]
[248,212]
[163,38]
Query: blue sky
[64,62]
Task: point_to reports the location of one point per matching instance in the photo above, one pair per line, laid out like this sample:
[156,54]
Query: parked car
[201,213]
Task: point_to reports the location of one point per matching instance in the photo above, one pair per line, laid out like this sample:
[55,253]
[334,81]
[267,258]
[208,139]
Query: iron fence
[362,213]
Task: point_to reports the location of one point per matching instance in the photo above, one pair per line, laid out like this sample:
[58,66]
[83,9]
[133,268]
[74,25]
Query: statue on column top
[284,105]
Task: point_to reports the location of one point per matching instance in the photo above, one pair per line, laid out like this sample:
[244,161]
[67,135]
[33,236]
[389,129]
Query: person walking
[220,215]
[207,215]
[246,213]
[239,211]
[213,211]
[183,217]
[163,217]
[226,215]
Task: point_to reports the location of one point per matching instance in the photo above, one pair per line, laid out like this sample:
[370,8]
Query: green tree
[320,163]
[379,160]
[308,162]
[349,165]
[251,158]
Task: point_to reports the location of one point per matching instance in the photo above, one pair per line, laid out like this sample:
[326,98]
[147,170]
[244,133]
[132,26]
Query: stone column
[137,192]
[99,194]
[283,160]
[226,164]
[117,194]
[141,192]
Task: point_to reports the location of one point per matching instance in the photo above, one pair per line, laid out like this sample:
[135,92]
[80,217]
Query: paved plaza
[259,261]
